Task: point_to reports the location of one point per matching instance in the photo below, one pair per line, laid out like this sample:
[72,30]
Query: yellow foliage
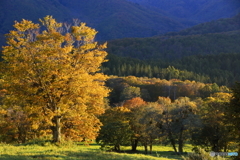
[52,74]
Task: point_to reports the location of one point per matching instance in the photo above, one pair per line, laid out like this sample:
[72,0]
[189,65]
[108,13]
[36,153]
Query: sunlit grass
[82,152]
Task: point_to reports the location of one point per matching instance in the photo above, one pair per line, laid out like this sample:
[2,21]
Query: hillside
[16,10]
[210,49]
[176,47]
[219,36]
[111,18]
[215,26]
[222,69]
[120,18]
[195,11]
[115,19]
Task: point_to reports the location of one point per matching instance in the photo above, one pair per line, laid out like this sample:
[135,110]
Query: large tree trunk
[134,144]
[22,135]
[150,146]
[180,142]
[172,140]
[215,140]
[145,147]
[117,148]
[225,147]
[56,129]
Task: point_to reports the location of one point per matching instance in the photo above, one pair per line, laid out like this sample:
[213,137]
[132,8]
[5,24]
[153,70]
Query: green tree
[215,132]
[130,92]
[51,69]
[149,124]
[177,120]
[116,130]
[233,113]
[183,120]
[135,105]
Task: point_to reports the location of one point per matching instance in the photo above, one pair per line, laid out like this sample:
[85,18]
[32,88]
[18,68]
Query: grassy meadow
[83,152]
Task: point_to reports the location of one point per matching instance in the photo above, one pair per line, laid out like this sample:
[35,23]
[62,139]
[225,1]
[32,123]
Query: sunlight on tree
[51,72]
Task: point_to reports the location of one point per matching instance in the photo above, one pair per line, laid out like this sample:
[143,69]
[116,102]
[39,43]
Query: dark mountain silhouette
[116,19]
[195,11]
[112,18]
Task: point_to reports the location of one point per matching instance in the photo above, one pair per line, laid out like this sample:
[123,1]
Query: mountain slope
[197,11]
[210,49]
[12,10]
[16,10]
[112,18]
[220,36]
[176,47]
[120,18]
[216,26]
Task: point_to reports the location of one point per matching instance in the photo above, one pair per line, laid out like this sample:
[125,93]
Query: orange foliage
[134,102]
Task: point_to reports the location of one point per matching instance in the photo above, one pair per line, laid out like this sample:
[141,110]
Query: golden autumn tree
[51,69]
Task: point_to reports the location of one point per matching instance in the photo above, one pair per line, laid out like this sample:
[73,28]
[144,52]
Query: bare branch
[76,21]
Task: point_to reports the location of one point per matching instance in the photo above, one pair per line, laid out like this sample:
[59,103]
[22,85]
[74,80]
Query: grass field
[81,152]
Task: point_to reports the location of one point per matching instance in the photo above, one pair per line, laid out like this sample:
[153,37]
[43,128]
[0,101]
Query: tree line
[147,111]
[221,69]
[176,47]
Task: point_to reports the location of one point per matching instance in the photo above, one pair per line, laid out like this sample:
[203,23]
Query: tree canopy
[51,74]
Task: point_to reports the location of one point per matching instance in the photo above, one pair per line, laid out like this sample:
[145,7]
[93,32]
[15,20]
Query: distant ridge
[112,18]
[216,26]
[116,19]
[215,37]
[197,11]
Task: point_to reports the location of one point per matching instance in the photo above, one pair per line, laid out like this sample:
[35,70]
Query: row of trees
[144,70]
[176,46]
[220,69]
[169,112]
[201,121]
[150,89]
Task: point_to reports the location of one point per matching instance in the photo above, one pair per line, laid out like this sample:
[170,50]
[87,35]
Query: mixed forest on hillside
[208,52]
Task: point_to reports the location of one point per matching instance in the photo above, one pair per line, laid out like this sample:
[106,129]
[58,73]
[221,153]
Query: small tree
[216,132]
[116,130]
[135,106]
[130,92]
[149,124]
[52,70]
[177,120]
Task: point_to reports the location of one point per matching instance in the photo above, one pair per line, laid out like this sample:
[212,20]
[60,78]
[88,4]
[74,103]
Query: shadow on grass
[167,154]
[25,157]
[38,143]
[127,155]
[96,155]
[101,155]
